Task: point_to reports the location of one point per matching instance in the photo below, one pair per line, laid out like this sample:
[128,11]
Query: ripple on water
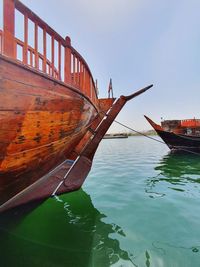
[154,196]
[138,207]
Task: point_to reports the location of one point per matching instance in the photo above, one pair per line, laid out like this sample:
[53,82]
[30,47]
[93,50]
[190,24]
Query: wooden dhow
[179,135]
[51,120]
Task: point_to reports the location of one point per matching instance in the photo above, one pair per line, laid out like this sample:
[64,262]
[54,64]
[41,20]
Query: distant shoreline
[149,132]
[140,133]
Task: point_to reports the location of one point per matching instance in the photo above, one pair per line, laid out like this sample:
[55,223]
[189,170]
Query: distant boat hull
[180,142]
[177,141]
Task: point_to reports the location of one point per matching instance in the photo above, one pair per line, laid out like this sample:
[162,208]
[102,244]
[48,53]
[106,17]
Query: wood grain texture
[48,111]
[41,122]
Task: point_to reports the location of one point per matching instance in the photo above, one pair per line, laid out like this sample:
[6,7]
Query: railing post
[36,46]
[44,67]
[25,50]
[59,61]
[68,60]
[9,28]
[53,55]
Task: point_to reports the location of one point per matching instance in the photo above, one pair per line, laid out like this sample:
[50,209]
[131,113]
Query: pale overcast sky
[136,43]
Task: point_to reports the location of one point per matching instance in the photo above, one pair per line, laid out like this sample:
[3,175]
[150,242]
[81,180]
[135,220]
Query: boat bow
[69,178]
[153,124]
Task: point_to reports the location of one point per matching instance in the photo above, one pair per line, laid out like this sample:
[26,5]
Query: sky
[136,43]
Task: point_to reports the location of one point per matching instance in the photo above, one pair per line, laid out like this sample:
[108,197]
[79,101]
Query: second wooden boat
[182,135]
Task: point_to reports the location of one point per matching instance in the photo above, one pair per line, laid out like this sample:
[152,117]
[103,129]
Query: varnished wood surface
[63,63]
[49,106]
[40,123]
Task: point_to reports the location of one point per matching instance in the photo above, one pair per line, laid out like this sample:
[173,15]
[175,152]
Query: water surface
[138,207]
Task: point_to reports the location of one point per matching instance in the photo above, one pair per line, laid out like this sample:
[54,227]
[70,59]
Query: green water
[140,206]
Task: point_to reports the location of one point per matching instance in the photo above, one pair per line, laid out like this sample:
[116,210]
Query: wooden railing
[190,123]
[62,62]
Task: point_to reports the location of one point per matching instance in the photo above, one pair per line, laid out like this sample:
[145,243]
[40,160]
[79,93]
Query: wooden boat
[183,135]
[51,120]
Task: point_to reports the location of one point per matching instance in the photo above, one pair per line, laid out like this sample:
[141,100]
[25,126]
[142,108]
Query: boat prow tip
[148,119]
[153,124]
[139,92]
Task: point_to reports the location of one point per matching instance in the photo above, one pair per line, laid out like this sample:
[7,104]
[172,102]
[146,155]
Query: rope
[154,139]
[159,141]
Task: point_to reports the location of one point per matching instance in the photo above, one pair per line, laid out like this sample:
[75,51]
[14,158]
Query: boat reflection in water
[68,231]
[180,170]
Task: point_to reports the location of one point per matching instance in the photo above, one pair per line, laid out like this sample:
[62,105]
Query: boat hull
[41,122]
[180,142]
[49,111]
[177,141]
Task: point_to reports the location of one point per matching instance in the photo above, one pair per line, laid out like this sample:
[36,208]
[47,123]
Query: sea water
[140,206]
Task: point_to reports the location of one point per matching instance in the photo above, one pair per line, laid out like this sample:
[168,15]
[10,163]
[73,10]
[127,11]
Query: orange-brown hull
[41,122]
[49,111]
[48,104]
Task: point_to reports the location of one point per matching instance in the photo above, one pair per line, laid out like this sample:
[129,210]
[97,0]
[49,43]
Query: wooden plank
[52,55]
[9,28]
[44,51]
[67,63]
[25,47]
[59,60]
[36,46]
[45,123]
